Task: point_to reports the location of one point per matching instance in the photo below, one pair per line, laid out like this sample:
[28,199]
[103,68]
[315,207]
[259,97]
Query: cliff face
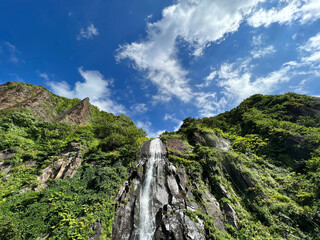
[43,103]
[17,95]
[175,199]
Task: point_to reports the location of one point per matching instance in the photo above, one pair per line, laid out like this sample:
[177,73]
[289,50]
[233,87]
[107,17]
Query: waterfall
[147,217]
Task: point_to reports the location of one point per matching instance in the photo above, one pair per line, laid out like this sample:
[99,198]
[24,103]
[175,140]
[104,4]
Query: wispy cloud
[88,33]
[262,51]
[171,117]
[238,81]
[286,12]
[257,40]
[208,79]
[311,50]
[12,53]
[209,104]
[43,75]
[147,126]
[95,86]
[139,108]
[259,49]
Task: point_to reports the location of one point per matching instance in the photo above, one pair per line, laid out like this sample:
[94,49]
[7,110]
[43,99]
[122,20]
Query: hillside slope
[250,173]
[261,161]
[62,162]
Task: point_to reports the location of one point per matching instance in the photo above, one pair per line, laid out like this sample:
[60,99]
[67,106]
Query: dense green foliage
[271,172]
[66,209]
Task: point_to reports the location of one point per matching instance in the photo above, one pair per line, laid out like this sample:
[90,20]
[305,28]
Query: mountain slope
[61,164]
[267,183]
[250,173]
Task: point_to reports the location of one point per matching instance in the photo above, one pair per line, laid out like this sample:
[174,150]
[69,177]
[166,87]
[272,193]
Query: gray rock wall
[172,203]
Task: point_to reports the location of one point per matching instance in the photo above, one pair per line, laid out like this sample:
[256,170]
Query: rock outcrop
[36,98]
[211,140]
[41,102]
[65,167]
[78,114]
[173,203]
[178,146]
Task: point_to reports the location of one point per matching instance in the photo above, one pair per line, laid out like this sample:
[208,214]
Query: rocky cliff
[44,105]
[175,199]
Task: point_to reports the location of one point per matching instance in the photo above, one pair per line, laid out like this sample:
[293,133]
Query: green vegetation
[272,171]
[67,208]
[270,175]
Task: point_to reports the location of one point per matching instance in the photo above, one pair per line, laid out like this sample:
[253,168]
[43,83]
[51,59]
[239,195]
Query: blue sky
[159,62]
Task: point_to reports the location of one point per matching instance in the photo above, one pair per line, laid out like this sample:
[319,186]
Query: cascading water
[147,218]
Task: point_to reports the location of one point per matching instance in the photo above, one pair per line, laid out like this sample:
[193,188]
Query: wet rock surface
[173,201]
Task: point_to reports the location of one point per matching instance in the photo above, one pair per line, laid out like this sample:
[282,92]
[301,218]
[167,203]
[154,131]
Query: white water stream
[147,217]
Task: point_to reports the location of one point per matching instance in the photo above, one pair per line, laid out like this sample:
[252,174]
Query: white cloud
[95,86]
[209,104]
[171,117]
[43,75]
[211,76]
[147,126]
[208,79]
[13,54]
[310,11]
[90,32]
[139,108]
[300,88]
[261,52]
[256,40]
[286,12]
[62,89]
[311,50]
[238,82]
[199,23]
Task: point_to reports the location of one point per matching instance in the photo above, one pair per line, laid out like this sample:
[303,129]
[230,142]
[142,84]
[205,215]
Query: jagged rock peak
[78,114]
[45,105]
